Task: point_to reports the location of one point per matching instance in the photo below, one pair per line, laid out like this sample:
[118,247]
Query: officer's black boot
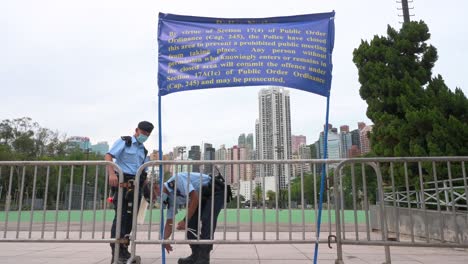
[203,254]
[112,245]
[124,255]
[192,258]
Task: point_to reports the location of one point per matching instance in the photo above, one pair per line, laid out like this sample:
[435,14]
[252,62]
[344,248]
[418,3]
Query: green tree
[258,194]
[23,139]
[271,196]
[413,113]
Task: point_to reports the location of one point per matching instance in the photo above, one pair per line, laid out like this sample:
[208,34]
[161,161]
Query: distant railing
[443,193]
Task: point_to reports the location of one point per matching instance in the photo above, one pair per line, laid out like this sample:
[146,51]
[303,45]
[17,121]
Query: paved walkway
[226,254]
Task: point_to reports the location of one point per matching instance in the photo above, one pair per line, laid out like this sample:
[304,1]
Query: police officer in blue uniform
[129,154]
[176,191]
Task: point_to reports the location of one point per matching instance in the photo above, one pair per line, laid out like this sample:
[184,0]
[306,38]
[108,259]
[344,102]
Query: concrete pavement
[226,254]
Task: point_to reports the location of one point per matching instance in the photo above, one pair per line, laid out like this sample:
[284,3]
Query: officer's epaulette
[127,139]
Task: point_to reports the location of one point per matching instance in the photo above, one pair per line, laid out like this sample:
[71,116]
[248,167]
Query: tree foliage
[414,114]
[23,139]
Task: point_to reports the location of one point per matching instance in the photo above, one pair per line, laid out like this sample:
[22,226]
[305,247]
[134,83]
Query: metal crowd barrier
[374,201]
[419,221]
[285,220]
[55,201]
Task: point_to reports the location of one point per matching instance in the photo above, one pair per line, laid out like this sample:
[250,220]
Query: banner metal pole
[322,179]
[161,181]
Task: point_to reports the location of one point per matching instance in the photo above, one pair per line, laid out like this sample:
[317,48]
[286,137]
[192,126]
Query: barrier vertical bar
[70,191]
[466,191]
[302,204]
[353,185]
[441,217]
[225,200]
[57,201]
[397,208]
[277,183]
[94,199]
[342,204]
[409,201]
[8,202]
[322,183]
[366,200]
[383,222]
[465,183]
[33,201]
[453,202]
[44,208]
[83,186]
[151,204]
[315,194]
[423,200]
[20,202]
[104,213]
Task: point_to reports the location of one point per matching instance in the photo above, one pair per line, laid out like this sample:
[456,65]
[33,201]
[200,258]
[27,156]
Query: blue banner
[201,52]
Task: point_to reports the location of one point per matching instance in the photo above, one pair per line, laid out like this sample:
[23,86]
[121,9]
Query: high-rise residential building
[241,142]
[355,139]
[354,152]
[361,125]
[296,141]
[195,154]
[236,170]
[257,148]
[344,129]
[208,154]
[249,143]
[333,145]
[228,168]
[100,148]
[274,132]
[334,150]
[82,143]
[304,152]
[221,154]
[364,138]
[244,155]
[345,141]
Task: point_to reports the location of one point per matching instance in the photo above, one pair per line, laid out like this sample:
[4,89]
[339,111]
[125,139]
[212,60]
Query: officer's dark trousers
[127,217]
[206,216]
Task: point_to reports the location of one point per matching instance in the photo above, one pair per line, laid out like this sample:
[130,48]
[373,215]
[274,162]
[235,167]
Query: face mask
[142,138]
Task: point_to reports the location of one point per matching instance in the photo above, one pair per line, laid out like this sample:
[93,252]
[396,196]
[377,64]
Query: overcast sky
[89,68]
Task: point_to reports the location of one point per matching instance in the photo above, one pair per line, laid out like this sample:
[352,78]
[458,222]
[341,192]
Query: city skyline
[97,77]
[198,148]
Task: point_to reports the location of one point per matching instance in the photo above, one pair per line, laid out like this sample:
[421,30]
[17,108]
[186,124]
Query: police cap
[145,126]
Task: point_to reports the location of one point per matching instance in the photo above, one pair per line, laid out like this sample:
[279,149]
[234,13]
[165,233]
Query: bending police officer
[176,191]
[129,154]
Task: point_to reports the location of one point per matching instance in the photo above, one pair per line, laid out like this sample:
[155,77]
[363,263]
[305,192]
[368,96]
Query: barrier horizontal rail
[419,221]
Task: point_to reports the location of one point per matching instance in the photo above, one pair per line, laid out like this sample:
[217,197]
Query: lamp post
[181,151]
